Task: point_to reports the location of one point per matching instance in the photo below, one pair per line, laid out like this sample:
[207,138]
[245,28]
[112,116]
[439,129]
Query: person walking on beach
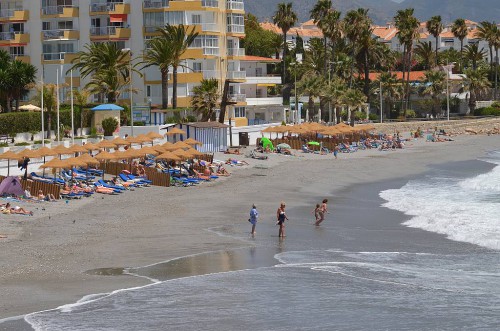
[254,215]
[281,216]
[322,211]
[316,212]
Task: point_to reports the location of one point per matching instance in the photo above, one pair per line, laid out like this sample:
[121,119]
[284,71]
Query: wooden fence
[35,186]
[158,178]
[207,157]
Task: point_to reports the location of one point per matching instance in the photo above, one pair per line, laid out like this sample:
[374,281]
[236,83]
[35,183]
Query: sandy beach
[51,258]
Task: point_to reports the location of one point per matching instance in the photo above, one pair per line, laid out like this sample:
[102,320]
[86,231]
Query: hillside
[382,11]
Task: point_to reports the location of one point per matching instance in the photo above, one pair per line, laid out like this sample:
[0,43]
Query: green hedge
[19,122]
[487,111]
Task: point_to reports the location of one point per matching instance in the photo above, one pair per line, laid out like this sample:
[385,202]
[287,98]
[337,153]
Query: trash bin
[244,140]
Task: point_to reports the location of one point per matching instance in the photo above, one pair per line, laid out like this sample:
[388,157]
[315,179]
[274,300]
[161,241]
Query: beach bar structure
[213,135]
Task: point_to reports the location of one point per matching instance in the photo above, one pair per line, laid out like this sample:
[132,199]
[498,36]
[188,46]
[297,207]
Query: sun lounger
[140,179]
[103,183]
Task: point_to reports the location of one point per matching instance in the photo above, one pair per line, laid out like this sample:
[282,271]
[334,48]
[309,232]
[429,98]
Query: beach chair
[139,179]
[103,183]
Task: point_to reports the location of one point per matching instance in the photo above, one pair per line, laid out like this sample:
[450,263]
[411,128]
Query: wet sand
[47,263]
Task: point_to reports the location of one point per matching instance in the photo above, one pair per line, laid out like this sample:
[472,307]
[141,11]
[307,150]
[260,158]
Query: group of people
[281,217]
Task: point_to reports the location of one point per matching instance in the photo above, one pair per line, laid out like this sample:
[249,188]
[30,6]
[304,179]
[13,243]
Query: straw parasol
[166,144]
[77,149]
[194,152]
[181,144]
[148,150]
[182,153]
[154,135]
[120,142]
[130,153]
[75,162]
[60,149]
[175,131]
[34,154]
[170,148]
[168,156]
[144,138]
[45,151]
[9,155]
[55,164]
[159,148]
[90,147]
[105,156]
[106,144]
[193,142]
[88,160]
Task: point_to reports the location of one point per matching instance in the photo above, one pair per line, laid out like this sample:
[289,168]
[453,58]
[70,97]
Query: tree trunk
[367,77]
[403,70]
[408,92]
[311,106]
[436,60]
[496,73]
[81,120]
[325,40]
[49,123]
[164,89]
[461,55]
[174,91]
[284,81]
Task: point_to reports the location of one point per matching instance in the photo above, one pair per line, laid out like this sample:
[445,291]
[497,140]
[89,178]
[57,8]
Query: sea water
[313,287]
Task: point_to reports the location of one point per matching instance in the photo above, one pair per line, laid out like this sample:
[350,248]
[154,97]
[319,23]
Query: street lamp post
[128,50]
[381,100]
[448,70]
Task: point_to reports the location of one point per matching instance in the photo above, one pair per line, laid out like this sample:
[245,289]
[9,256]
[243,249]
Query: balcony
[22,58]
[237,98]
[263,79]
[14,15]
[155,4]
[236,75]
[235,52]
[264,101]
[235,5]
[237,29]
[109,8]
[210,27]
[209,74]
[7,38]
[64,11]
[60,35]
[109,32]
[62,58]
[210,3]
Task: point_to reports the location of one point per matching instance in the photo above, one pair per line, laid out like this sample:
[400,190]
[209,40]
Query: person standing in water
[254,215]
[316,212]
[322,211]
[281,216]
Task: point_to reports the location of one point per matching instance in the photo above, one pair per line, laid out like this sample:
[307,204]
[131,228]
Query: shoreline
[125,250]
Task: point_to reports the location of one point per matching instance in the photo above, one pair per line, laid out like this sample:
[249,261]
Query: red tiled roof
[385,32]
[414,75]
[251,58]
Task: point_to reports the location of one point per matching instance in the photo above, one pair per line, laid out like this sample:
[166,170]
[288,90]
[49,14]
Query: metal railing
[54,34]
[208,74]
[103,31]
[155,4]
[236,74]
[237,97]
[233,28]
[103,7]
[7,13]
[56,10]
[210,51]
[211,27]
[236,52]
[54,56]
[235,5]
[210,3]
[7,35]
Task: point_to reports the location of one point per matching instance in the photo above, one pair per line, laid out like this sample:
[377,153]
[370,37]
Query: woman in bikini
[322,211]
[281,216]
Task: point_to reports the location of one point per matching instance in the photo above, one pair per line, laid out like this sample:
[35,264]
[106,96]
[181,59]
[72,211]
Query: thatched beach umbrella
[147,150]
[29,153]
[77,149]
[181,145]
[45,151]
[193,142]
[194,152]
[106,144]
[9,155]
[88,160]
[118,141]
[105,156]
[91,147]
[182,153]
[175,131]
[54,164]
[61,150]
[168,156]
[154,135]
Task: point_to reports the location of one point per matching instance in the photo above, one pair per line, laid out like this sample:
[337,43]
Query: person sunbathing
[49,197]
[104,190]
[221,171]
[7,209]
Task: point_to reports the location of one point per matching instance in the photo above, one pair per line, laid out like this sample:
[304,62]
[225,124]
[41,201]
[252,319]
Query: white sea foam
[463,210]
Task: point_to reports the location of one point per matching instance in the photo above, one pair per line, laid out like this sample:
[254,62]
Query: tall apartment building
[49,33]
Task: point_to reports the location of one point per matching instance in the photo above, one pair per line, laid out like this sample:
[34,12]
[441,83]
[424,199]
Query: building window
[197,67]
[16,51]
[174,17]
[239,112]
[196,19]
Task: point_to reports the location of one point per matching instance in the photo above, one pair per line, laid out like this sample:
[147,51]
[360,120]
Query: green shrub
[139,124]
[373,117]
[487,111]
[171,120]
[358,115]
[93,133]
[496,104]
[109,125]
[22,144]
[410,113]
[191,118]
[39,141]
[20,122]
[4,144]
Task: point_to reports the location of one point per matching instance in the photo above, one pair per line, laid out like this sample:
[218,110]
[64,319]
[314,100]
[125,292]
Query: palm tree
[392,89]
[353,99]
[332,29]
[160,53]
[435,85]
[179,39]
[15,78]
[285,18]
[356,22]
[460,31]
[475,82]
[206,98]
[81,98]
[311,86]
[473,54]
[435,27]
[319,14]
[486,32]
[333,94]
[407,26]
[426,54]
[107,64]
